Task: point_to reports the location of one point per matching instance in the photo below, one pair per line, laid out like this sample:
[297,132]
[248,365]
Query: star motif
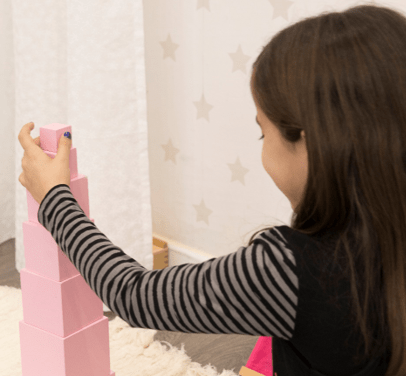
[202,212]
[170,151]
[203,108]
[169,48]
[238,171]
[281,7]
[202,4]
[240,60]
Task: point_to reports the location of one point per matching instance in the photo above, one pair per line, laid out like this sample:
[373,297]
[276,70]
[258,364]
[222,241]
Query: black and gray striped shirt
[266,289]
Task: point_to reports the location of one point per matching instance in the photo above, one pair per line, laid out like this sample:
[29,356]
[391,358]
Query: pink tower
[260,360]
[64,331]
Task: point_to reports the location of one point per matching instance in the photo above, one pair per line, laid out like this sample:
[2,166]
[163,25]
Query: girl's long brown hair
[341,77]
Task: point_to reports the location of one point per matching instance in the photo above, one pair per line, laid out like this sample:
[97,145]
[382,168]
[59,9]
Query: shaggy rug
[133,351]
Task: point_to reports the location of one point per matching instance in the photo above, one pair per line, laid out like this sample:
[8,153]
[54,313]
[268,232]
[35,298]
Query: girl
[330,93]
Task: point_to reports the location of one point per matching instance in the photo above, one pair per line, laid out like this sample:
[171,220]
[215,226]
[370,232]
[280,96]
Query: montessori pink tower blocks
[64,331]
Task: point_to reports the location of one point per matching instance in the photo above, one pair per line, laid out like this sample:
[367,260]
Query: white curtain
[79,63]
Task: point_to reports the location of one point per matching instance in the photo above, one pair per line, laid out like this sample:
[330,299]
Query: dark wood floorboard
[223,351]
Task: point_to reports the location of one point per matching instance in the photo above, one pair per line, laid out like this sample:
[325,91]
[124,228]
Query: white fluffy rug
[129,354]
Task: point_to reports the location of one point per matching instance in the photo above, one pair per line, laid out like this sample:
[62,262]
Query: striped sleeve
[253,291]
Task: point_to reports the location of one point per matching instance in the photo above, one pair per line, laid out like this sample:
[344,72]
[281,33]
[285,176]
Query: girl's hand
[40,172]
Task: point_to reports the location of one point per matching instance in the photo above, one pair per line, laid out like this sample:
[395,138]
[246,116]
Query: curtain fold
[81,64]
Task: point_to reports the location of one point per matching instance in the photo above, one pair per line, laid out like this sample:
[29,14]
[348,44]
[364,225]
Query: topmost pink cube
[50,135]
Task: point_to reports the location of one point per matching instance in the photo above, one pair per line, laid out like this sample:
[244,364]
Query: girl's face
[287,167]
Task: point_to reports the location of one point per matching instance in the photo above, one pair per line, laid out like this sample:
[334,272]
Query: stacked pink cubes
[64,331]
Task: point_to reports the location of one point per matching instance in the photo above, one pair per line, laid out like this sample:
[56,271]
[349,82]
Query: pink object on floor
[64,331]
[260,360]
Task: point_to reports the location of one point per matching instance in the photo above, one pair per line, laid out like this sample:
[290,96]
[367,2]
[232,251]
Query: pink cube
[50,135]
[61,308]
[84,353]
[43,255]
[79,189]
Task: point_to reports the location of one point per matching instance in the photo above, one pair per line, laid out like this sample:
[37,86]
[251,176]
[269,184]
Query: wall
[209,190]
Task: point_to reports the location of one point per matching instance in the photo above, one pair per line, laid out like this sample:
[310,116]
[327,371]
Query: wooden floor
[223,351]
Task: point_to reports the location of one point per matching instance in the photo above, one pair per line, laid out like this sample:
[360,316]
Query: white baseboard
[181,254]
